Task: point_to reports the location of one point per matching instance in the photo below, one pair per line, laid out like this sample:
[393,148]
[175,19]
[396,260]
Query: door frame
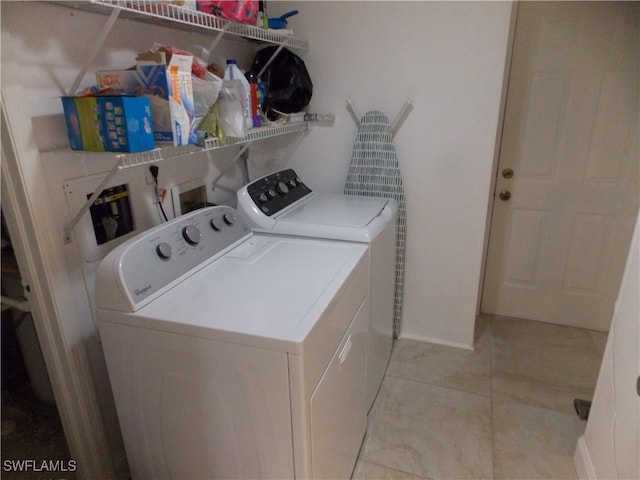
[39,260]
[498,153]
[497,150]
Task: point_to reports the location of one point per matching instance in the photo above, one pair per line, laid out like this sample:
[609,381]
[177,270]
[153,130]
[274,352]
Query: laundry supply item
[230,107]
[280,22]
[241,11]
[165,79]
[232,72]
[109,123]
[253,86]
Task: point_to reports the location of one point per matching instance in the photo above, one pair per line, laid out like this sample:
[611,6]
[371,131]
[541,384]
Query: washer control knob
[229,218]
[263,197]
[272,193]
[282,188]
[292,183]
[164,251]
[216,225]
[191,234]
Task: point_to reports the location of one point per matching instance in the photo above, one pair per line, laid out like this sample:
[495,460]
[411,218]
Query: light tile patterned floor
[501,411]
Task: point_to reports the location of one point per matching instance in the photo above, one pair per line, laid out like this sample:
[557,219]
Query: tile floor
[502,411]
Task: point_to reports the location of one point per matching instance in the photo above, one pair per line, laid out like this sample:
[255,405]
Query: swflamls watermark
[31,465]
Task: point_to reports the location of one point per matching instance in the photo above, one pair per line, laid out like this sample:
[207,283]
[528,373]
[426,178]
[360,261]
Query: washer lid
[267,292]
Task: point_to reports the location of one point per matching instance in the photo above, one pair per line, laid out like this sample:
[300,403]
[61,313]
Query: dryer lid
[335,210]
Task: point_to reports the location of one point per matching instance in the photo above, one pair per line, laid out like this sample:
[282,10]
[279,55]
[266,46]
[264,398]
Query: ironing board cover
[374,172]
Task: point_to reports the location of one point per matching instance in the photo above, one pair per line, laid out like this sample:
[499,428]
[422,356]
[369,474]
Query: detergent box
[109,123]
[165,79]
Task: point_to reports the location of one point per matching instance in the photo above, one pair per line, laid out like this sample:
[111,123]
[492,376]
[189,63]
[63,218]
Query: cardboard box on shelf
[166,80]
[109,123]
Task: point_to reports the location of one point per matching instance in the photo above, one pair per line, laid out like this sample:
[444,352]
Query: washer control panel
[277,191]
[168,253]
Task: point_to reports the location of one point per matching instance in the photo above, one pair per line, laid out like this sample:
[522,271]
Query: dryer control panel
[277,191]
[137,271]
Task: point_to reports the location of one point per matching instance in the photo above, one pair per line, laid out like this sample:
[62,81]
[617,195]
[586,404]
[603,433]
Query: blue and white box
[109,123]
[166,81]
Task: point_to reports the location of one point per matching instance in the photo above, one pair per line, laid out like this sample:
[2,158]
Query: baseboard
[437,341]
[582,461]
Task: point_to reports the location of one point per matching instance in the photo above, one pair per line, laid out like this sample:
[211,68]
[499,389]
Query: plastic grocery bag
[205,95]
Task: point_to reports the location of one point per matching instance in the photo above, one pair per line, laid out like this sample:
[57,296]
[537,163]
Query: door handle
[507,173]
[505,195]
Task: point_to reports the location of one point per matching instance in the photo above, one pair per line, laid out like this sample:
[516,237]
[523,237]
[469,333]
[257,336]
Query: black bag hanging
[288,85]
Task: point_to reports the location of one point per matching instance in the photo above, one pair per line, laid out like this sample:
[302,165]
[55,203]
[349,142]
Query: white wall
[610,446]
[449,58]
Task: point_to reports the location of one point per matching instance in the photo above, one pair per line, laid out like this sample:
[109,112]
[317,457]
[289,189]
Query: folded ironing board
[374,172]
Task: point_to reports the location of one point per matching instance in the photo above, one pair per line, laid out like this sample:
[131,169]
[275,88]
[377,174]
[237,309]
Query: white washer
[280,203]
[233,354]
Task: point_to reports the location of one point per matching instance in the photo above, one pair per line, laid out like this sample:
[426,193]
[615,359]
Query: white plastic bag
[205,94]
[231,116]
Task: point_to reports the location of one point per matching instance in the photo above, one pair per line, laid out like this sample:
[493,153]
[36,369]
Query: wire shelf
[259,134]
[166,14]
[131,160]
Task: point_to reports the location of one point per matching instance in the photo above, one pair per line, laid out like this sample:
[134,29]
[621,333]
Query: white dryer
[233,354]
[280,203]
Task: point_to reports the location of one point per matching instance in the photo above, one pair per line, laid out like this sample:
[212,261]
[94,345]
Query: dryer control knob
[164,251]
[272,193]
[191,234]
[216,225]
[282,188]
[229,218]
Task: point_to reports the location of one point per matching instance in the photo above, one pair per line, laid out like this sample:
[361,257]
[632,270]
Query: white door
[558,245]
